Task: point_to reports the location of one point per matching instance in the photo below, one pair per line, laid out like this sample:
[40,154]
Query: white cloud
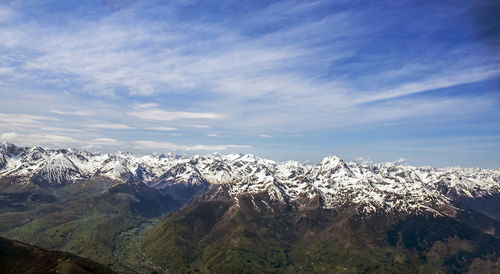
[54,139]
[161,115]
[467,76]
[200,126]
[45,139]
[266,136]
[60,140]
[8,136]
[109,126]
[75,113]
[105,141]
[25,118]
[147,105]
[144,144]
[162,128]
[218,135]
[61,129]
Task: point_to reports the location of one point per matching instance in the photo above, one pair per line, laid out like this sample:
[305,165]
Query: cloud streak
[163,128]
[144,144]
[25,118]
[109,126]
[161,115]
[76,113]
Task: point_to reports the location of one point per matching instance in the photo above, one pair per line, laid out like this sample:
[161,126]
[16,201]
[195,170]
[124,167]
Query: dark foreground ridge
[17,257]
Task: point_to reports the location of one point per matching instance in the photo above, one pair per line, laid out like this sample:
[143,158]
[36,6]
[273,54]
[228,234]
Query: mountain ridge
[385,186]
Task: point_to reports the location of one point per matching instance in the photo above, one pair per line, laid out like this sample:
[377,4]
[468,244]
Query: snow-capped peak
[386,186]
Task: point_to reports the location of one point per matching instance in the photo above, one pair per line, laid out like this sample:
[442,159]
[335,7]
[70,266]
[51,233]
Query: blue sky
[364,80]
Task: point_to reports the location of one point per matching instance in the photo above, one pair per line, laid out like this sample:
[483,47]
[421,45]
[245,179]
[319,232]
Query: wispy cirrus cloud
[105,141]
[8,136]
[60,129]
[25,118]
[200,126]
[144,144]
[162,115]
[162,128]
[45,139]
[109,126]
[466,76]
[76,113]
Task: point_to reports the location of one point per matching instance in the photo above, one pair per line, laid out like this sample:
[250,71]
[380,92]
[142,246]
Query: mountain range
[227,213]
[386,186]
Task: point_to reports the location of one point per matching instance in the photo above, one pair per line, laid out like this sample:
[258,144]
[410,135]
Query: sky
[373,81]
